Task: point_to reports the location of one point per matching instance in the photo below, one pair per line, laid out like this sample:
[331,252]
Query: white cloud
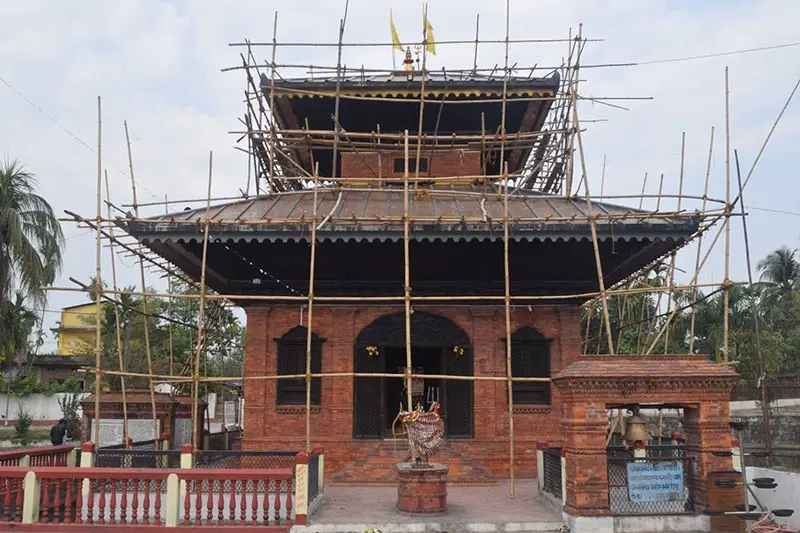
[157,65]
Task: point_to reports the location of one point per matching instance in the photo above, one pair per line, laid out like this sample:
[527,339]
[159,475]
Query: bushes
[70,406]
[26,385]
[22,426]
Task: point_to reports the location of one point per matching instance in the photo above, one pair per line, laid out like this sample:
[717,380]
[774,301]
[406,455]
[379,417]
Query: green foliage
[27,385]
[30,238]
[172,330]
[638,320]
[70,406]
[22,426]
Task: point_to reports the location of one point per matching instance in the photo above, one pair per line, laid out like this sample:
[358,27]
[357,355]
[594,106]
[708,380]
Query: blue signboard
[656,481]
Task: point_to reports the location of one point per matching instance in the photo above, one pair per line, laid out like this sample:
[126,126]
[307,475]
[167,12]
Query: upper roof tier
[465,104]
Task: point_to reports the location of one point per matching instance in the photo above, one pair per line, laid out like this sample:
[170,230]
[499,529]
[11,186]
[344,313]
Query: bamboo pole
[589,211]
[700,244]
[338,94]
[201,313]
[117,328]
[757,325]
[147,349]
[509,373]
[273,134]
[672,258]
[170,312]
[624,308]
[506,271]
[98,284]
[406,275]
[309,332]
[356,299]
[694,281]
[727,293]
[270,377]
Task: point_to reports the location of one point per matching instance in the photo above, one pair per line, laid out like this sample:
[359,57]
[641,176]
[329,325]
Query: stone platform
[481,509]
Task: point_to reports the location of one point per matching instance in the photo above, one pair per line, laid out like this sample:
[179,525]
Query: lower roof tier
[261,246]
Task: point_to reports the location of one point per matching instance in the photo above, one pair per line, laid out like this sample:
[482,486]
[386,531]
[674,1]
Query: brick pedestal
[421,491]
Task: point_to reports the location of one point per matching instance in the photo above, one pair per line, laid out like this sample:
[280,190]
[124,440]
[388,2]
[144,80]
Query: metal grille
[244,459]
[530,360]
[313,477]
[649,502]
[552,471]
[292,360]
[458,395]
[368,407]
[132,458]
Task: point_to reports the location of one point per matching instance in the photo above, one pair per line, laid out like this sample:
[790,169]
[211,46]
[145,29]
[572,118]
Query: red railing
[236,497]
[11,495]
[50,456]
[108,497]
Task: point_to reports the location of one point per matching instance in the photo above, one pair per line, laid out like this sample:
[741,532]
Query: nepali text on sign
[657,481]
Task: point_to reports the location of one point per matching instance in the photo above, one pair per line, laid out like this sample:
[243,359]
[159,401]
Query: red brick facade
[483,458]
[440,164]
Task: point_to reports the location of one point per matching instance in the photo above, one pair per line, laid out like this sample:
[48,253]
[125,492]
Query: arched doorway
[438,346]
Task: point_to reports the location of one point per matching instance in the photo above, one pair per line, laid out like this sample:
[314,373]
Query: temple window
[400,164]
[292,361]
[530,358]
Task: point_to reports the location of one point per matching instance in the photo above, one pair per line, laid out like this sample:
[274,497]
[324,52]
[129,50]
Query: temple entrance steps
[373,462]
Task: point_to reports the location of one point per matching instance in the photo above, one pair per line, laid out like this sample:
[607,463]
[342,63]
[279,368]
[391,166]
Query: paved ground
[485,509]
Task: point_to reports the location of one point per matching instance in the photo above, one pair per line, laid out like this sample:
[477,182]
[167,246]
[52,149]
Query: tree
[18,323]
[780,272]
[30,237]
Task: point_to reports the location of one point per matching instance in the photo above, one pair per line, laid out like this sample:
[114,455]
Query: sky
[157,64]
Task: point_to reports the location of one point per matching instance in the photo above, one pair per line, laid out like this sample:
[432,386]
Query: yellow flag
[431,46]
[395,38]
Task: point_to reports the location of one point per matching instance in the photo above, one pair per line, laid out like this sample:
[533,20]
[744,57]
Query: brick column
[707,431]
[584,450]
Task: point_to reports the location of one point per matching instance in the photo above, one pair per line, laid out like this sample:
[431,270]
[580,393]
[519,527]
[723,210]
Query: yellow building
[77,329]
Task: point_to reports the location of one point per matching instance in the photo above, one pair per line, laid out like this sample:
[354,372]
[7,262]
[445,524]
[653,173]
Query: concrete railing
[50,456]
[52,497]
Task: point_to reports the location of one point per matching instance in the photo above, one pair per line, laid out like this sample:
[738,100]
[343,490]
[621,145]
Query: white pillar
[30,506]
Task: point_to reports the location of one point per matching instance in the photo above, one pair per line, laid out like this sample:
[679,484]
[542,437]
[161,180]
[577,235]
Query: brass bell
[635,430]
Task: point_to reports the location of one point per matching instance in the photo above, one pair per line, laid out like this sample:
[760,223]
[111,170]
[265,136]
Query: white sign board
[655,481]
[138,430]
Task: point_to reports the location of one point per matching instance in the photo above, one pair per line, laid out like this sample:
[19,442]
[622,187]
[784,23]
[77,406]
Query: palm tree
[18,322]
[30,237]
[780,271]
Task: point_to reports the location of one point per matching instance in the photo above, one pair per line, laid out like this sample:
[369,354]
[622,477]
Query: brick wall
[483,458]
[455,163]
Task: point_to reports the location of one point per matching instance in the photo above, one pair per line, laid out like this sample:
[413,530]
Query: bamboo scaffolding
[147,349]
[201,313]
[506,269]
[727,294]
[170,312]
[380,44]
[592,220]
[309,332]
[356,299]
[270,377]
[98,283]
[422,218]
[700,244]
[674,254]
[407,278]
[117,325]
